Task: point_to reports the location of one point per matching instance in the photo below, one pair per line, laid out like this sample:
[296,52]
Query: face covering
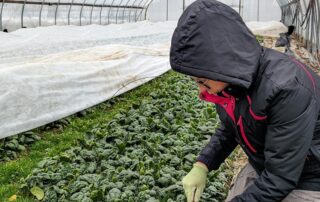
[226,101]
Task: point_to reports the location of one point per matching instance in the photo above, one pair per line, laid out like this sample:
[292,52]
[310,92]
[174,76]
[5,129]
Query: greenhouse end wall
[250,10]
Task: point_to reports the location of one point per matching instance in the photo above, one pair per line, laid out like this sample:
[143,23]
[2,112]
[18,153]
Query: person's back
[288,91]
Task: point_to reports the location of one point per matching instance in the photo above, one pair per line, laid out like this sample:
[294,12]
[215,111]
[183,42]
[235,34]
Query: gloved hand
[195,181]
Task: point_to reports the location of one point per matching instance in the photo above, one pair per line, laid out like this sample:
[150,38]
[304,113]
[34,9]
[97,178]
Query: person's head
[210,86]
[211,41]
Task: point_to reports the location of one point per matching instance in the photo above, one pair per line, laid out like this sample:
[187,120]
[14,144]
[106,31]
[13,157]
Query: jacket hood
[212,41]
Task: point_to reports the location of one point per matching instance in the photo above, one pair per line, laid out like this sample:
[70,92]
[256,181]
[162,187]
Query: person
[267,101]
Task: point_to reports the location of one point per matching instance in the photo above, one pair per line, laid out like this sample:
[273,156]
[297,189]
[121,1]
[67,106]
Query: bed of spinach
[10,147]
[140,155]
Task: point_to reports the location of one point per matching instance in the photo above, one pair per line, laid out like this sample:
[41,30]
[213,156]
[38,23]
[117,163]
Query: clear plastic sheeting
[305,16]
[46,85]
[15,14]
[250,10]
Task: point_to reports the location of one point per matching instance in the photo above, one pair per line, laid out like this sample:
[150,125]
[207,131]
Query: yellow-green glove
[195,181]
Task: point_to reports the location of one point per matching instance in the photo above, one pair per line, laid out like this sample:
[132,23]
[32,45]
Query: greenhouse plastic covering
[16,14]
[305,16]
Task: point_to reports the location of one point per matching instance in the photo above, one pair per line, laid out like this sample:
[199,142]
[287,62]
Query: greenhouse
[159,100]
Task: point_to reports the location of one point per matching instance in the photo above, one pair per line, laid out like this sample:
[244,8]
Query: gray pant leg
[247,176]
[303,196]
[243,180]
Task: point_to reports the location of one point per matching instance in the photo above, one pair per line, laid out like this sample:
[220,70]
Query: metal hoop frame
[136,6]
[305,16]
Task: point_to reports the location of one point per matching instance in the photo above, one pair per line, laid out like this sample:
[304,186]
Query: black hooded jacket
[271,108]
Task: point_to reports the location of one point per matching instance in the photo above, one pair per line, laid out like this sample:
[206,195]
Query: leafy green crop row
[140,155]
[10,147]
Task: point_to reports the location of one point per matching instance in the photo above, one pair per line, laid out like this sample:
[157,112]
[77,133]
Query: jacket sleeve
[292,117]
[221,144]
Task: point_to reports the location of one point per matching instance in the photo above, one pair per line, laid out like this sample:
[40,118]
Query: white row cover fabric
[54,39]
[48,73]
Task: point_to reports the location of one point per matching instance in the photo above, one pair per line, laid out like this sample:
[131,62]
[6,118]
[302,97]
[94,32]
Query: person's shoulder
[283,71]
